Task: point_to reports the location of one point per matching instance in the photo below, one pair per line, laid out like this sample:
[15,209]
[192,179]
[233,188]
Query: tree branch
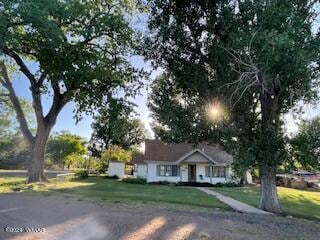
[35,85]
[41,80]
[57,104]
[37,105]
[16,104]
[21,64]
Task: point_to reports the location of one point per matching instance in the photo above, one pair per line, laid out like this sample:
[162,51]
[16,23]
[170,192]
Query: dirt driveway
[66,219]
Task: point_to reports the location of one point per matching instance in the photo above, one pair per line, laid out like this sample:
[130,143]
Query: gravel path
[66,219]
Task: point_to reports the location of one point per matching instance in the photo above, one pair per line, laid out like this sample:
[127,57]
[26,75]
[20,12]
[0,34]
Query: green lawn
[299,203]
[107,190]
[9,183]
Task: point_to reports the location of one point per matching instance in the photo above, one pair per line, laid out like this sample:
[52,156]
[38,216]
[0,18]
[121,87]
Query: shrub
[75,160]
[111,177]
[138,180]
[80,174]
[194,184]
[102,167]
[94,164]
[227,184]
[162,183]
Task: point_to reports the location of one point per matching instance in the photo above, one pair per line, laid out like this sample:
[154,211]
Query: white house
[116,169]
[183,163]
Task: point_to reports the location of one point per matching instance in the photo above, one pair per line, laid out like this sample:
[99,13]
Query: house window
[216,171]
[168,170]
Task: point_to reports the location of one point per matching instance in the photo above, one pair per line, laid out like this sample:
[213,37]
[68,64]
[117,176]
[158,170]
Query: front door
[192,176]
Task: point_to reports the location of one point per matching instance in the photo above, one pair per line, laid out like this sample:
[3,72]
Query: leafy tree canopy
[14,150]
[78,50]
[306,144]
[79,45]
[117,125]
[116,153]
[75,160]
[63,144]
[254,59]
[214,52]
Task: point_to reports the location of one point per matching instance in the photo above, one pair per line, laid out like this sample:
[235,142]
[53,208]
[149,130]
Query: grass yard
[7,184]
[107,190]
[298,203]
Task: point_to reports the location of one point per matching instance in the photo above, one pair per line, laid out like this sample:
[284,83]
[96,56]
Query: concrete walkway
[236,205]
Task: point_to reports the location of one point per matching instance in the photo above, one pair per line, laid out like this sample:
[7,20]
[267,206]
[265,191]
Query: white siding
[200,170]
[141,171]
[184,172]
[116,168]
[153,177]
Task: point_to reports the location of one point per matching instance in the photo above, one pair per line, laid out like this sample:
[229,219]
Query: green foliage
[306,144]
[81,174]
[66,148]
[116,153]
[94,163]
[103,166]
[137,180]
[162,183]
[75,160]
[214,52]
[79,51]
[111,177]
[8,120]
[14,151]
[227,184]
[82,44]
[115,125]
[254,59]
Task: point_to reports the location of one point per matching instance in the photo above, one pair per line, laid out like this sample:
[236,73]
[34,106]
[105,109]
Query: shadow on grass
[115,191]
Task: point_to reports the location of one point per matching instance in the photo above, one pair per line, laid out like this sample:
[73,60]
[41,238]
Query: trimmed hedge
[162,183]
[111,177]
[228,184]
[137,180]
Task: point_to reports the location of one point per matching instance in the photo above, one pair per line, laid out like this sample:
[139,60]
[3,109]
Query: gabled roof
[155,150]
[183,158]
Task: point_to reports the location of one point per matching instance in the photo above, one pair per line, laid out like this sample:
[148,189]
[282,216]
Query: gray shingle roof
[155,150]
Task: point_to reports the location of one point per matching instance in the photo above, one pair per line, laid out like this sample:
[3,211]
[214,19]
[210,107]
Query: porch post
[210,171]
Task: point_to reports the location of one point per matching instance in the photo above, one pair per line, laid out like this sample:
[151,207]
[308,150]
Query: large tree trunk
[269,114]
[269,199]
[44,123]
[38,150]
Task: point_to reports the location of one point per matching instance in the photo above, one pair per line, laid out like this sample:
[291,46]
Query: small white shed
[116,168]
